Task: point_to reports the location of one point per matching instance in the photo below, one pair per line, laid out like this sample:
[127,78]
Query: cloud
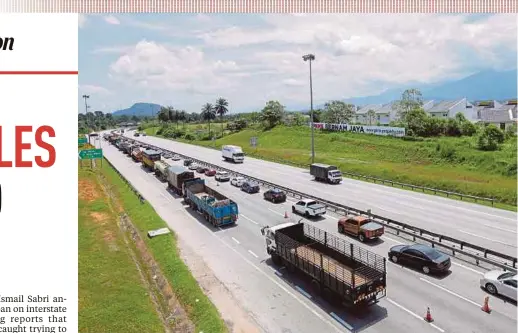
[93,89]
[81,20]
[110,19]
[251,62]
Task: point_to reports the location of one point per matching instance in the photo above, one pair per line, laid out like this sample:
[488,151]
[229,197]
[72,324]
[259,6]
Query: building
[449,109]
[362,116]
[503,116]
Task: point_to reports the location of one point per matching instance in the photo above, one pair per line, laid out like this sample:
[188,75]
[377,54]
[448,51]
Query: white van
[233,153]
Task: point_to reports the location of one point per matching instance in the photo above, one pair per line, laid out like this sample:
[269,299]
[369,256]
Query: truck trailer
[340,272]
[160,168]
[176,177]
[136,154]
[149,157]
[233,153]
[214,206]
[326,173]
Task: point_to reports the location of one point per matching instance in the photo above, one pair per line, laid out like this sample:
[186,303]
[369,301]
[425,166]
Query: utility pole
[310,57]
[86,97]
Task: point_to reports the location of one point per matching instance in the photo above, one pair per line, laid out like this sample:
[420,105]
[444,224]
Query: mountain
[139,109]
[486,85]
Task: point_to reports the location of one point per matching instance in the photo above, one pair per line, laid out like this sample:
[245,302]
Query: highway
[488,227]
[238,258]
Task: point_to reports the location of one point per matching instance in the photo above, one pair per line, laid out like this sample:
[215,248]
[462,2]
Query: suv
[275,195]
[237,181]
[250,187]
[222,176]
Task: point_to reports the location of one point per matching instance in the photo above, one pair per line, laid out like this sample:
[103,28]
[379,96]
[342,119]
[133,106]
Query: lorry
[233,153]
[214,206]
[176,177]
[160,168]
[136,154]
[129,149]
[360,227]
[326,173]
[308,208]
[123,146]
[340,272]
[149,157]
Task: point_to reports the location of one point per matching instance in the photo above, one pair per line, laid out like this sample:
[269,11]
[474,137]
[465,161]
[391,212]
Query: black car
[187,162]
[275,195]
[201,169]
[167,155]
[250,187]
[420,256]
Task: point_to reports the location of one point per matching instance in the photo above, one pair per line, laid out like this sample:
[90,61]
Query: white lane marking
[504,229]
[392,240]
[249,219]
[489,239]
[235,240]
[468,268]
[450,292]
[276,212]
[304,304]
[414,314]
[162,194]
[252,253]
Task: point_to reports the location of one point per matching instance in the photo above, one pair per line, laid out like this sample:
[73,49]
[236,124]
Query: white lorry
[233,153]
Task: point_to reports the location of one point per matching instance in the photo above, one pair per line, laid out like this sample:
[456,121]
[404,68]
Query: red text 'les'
[20,146]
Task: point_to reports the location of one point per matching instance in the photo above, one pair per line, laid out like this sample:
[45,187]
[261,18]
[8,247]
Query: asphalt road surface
[278,301]
[488,227]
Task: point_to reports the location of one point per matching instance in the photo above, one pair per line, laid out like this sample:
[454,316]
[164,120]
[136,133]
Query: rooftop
[445,105]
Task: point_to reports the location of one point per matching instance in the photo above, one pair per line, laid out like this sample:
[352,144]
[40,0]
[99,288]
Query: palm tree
[208,113]
[221,109]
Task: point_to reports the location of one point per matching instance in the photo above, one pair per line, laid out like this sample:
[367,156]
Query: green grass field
[200,309]
[447,163]
[112,296]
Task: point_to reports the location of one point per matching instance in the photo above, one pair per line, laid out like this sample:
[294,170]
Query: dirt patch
[238,320]
[108,236]
[99,218]
[87,190]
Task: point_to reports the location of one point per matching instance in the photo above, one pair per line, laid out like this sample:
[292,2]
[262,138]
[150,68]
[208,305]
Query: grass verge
[112,296]
[199,308]
[446,163]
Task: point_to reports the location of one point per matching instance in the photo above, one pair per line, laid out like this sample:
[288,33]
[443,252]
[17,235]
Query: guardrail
[128,183]
[377,180]
[455,246]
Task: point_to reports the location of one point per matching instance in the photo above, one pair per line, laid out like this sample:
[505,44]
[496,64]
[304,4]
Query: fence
[455,246]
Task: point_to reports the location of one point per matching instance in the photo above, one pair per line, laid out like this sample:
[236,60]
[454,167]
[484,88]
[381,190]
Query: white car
[193,166]
[237,181]
[222,176]
[500,283]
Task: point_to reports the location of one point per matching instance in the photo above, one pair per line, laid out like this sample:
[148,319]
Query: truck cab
[269,235]
[233,153]
[361,227]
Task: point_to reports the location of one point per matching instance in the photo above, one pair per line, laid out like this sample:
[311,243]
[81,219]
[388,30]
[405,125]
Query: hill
[486,85]
[139,109]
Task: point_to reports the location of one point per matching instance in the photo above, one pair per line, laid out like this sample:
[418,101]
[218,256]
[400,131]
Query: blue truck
[214,206]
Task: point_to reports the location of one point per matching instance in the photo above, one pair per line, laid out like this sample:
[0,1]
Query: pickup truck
[214,206]
[361,227]
[308,208]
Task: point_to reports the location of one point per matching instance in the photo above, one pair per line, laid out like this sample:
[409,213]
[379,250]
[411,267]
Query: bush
[467,128]
[446,151]
[489,138]
[189,136]
[452,128]
[510,132]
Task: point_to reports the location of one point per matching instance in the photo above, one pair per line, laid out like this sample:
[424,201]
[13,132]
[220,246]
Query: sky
[187,60]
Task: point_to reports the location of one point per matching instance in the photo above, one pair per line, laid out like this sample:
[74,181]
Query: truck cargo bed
[330,265]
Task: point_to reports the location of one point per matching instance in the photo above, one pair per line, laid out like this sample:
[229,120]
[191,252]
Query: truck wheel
[341,229]
[426,269]
[394,259]
[362,238]
[315,288]
[306,214]
[328,296]
[276,259]
[293,210]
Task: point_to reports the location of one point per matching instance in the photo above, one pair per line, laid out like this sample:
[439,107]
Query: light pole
[310,57]
[86,104]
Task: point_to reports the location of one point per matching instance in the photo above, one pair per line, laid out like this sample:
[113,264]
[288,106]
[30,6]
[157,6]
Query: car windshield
[239,154]
[506,275]
[335,173]
[311,203]
[276,191]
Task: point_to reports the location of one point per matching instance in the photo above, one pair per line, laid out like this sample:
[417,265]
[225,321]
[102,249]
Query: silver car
[500,283]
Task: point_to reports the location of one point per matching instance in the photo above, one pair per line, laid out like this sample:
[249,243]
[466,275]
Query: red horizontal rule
[39,72]
[20,146]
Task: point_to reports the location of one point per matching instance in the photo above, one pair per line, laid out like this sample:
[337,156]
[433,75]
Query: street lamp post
[86,104]
[310,57]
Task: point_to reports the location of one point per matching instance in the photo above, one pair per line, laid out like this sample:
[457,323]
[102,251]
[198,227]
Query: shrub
[467,128]
[189,136]
[489,138]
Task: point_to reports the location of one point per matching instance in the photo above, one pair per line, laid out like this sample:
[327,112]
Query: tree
[410,99]
[163,114]
[371,116]
[416,120]
[490,137]
[338,112]
[272,113]
[208,113]
[221,108]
